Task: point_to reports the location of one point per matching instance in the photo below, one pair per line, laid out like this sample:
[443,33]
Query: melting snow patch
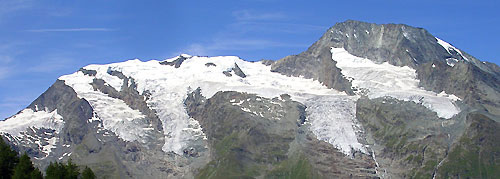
[388,80]
[451,61]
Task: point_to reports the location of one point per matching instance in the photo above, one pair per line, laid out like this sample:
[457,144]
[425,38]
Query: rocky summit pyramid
[364,101]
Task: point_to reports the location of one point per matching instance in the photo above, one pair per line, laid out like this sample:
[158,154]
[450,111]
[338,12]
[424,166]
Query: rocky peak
[398,44]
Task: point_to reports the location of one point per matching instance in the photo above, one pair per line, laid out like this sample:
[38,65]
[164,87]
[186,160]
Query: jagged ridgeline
[364,101]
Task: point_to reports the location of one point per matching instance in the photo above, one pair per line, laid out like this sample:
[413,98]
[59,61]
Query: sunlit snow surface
[389,80]
[20,125]
[28,118]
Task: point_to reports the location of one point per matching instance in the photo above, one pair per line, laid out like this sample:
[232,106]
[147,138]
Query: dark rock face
[209,64]
[88,72]
[176,63]
[315,63]
[75,111]
[267,62]
[398,44]
[237,71]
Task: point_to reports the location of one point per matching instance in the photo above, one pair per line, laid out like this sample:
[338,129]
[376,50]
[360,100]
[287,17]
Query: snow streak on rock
[448,47]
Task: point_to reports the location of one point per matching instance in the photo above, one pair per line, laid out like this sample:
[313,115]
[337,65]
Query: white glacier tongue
[333,119]
[168,88]
[389,80]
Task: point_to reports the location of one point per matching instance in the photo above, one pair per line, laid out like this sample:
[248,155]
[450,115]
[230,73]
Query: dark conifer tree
[8,160]
[25,169]
[55,171]
[36,174]
[71,170]
[88,173]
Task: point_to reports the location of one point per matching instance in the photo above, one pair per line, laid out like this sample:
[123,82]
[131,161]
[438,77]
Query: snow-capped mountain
[365,100]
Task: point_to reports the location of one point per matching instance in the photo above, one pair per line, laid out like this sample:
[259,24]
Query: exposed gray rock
[227,73]
[88,72]
[210,64]
[176,63]
[315,63]
[237,71]
[75,111]
[398,44]
[267,62]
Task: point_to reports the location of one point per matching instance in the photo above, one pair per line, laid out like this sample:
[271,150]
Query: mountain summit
[364,101]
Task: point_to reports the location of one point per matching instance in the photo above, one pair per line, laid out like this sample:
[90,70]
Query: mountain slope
[364,101]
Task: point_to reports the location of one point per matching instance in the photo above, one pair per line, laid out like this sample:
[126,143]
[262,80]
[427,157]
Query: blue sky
[42,40]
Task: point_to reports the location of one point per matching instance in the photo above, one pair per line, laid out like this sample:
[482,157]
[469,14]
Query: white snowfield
[389,80]
[331,114]
[27,118]
[18,125]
